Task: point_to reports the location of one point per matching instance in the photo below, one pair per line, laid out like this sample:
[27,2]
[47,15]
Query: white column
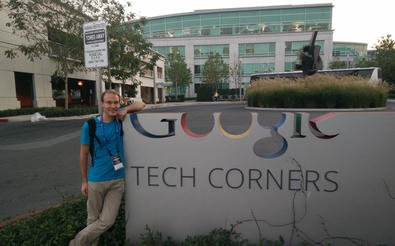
[280,56]
[42,89]
[7,91]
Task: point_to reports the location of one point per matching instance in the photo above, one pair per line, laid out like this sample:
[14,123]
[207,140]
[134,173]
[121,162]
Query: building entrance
[24,89]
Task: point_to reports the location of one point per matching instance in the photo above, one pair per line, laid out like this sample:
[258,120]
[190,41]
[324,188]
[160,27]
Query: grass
[318,91]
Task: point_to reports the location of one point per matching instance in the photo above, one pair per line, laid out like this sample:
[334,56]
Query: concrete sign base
[331,180]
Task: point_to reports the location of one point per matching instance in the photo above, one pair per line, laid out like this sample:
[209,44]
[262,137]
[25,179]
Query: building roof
[348,42]
[206,11]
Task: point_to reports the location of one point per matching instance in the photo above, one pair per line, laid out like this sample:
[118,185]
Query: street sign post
[95,50]
[95,44]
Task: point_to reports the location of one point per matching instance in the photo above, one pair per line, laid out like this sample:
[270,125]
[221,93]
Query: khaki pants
[103,203]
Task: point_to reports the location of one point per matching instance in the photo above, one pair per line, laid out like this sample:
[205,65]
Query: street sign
[95,44]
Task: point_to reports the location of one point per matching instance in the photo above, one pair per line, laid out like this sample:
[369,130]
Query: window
[250,49]
[204,51]
[259,49]
[296,19]
[159,72]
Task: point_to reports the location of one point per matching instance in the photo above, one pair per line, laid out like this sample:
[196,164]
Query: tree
[215,70]
[385,58]
[53,28]
[177,71]
[365,63]
[236,74]
[338,64]
[129,52]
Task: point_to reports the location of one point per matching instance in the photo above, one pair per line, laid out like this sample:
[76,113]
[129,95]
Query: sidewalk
[22,118]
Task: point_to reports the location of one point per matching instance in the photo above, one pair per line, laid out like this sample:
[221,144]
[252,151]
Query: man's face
[110,104]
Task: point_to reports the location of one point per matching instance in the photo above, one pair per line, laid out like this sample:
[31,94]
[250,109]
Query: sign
[95,44]
[330,180]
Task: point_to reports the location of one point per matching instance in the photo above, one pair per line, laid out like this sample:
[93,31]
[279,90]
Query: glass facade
[241,22]
[292,47]
[351,49]
[289,66]
[262,49]
[251,68]
[166,50]
[204,51]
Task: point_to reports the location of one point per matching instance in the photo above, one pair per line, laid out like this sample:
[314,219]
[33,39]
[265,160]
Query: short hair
[110,92]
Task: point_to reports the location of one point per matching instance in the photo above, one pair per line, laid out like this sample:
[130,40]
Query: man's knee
[107,223]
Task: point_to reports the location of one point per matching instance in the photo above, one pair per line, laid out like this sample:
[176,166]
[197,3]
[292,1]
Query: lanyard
[104,137]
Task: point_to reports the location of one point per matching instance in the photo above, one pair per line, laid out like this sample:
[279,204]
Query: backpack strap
[121,134]
[92,136]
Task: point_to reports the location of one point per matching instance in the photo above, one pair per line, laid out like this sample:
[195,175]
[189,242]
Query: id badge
[116,161]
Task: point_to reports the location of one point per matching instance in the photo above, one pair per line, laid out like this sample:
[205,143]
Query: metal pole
[155,84]
[98,89]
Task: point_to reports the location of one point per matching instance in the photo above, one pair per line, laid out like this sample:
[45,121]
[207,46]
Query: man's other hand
[84,188]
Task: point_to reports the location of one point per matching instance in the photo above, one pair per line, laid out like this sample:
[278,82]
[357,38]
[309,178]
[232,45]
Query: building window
[159,72]
[198,70]
[204,51]
[166,50]
[259,49]
[251,68]
[247,22]
[292,48]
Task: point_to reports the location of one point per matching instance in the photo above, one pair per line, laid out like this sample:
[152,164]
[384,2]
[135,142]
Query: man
[104,185]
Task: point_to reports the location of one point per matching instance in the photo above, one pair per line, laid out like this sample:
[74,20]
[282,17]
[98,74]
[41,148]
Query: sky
[352,20]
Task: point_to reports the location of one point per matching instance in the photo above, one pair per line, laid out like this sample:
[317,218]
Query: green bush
[316,92]
[391,93]
[57,226]
[50,112]
[205,93]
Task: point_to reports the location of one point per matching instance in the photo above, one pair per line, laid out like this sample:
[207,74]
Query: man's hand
[134,107]
[121,114]
[84,188]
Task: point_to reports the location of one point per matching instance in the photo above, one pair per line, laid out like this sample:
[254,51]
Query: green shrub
[319,91]
[205,93]
[50,112]
[391,93]
[57,226]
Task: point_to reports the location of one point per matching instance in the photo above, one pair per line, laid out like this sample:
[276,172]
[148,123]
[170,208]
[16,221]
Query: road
[40,161]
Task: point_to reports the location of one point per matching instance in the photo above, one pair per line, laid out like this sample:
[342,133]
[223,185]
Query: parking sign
[95,44]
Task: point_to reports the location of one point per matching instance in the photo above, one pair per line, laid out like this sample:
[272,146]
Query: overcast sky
[352,20]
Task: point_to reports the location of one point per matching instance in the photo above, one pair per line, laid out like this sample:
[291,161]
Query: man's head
[110,102]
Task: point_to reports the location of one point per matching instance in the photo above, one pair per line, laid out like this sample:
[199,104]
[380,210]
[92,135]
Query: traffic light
[310,57]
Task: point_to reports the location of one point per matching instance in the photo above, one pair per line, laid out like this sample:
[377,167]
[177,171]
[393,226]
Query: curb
[25,216]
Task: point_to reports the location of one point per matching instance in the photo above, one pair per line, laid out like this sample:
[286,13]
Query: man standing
[104,185]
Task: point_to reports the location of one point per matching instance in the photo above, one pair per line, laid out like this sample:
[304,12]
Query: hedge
[316,92]
[57,226]
[50,112]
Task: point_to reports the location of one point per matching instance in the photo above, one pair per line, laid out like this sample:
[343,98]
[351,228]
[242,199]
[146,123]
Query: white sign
[95,44]
[331,180]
